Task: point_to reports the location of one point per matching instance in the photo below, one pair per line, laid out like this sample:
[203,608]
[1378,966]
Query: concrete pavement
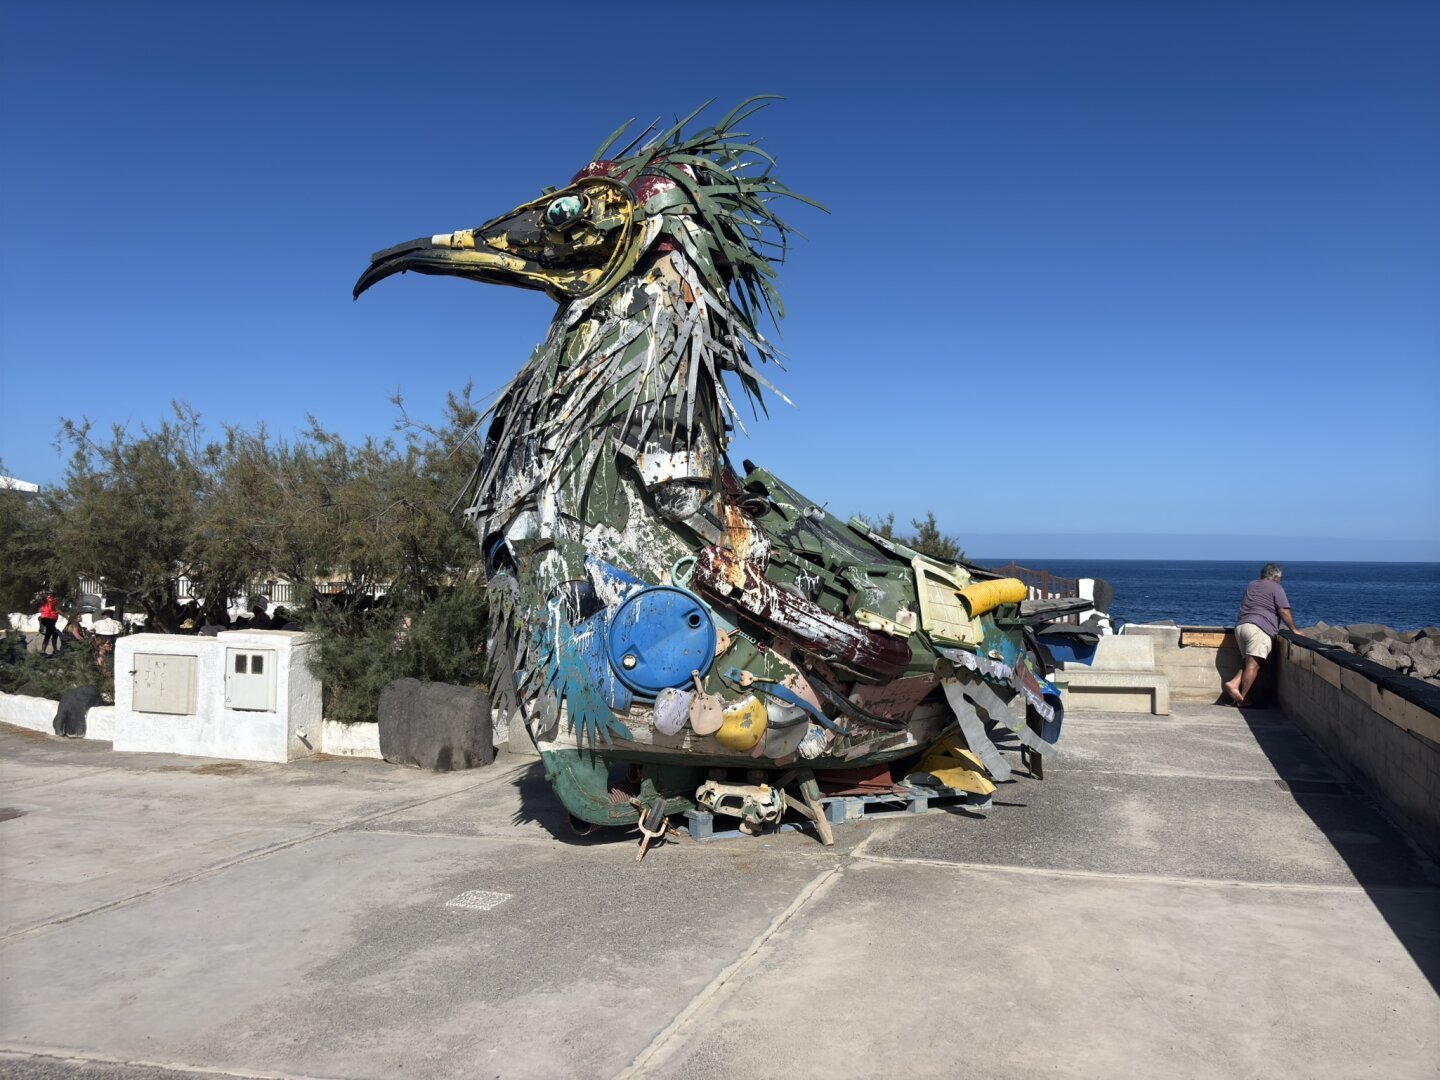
[1200,895]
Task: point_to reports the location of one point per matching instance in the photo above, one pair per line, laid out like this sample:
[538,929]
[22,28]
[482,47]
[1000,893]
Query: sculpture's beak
[485,254]
[567,243]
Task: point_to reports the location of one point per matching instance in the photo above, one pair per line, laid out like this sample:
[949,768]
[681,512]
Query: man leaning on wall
[1262,609]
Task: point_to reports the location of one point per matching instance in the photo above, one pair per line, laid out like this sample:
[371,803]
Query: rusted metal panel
[862,653]
[865,780]
[895,700]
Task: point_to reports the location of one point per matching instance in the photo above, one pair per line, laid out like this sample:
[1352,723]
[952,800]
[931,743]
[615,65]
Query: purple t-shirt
[1263,600]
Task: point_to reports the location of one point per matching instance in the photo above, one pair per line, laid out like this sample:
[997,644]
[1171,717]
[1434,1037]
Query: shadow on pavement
[539,805]
[1398,879]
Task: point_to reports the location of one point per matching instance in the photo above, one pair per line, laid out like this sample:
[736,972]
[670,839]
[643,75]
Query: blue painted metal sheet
[591,639]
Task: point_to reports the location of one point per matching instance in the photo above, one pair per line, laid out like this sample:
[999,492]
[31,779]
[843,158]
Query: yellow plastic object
[941,613]
[743,724]
[985,596]
[950,762]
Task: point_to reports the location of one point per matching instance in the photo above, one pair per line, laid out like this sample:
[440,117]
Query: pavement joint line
[1083,772]
[499,838]
[47,784]
[815,888]
[1166,723]
[91,1058]
[209,871]
[1097,720]
[1154,879]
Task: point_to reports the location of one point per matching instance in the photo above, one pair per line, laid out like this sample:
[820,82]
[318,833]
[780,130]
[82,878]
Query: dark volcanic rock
[435,726]
[74,704]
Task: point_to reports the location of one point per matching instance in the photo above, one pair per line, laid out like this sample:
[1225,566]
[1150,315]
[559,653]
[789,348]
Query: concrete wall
[1121,677]
[349,740]
[38,714]
[1381,727]
[34,713]
[1196,671]
[100,723]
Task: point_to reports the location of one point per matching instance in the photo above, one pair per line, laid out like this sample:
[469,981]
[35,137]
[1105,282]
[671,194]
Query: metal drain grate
[478,900]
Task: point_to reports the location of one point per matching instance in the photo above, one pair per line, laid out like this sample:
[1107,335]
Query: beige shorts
[1253,641]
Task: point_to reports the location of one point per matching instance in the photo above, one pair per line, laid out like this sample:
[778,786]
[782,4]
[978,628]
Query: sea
[1402,596]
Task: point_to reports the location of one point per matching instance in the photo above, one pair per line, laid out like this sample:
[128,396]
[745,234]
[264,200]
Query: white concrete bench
[1116,691]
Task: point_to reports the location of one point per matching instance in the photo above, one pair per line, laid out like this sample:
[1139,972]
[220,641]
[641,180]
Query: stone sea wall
[1415,653]
[1381,726]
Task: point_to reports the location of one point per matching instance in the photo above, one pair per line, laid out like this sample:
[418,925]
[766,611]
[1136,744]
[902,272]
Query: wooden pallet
[840,809]
[846,809]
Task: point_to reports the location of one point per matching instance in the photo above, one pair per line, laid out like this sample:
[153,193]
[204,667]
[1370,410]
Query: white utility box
[165,683]
[245,694]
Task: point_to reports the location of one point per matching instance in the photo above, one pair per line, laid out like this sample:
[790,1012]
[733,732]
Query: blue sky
[1164,273]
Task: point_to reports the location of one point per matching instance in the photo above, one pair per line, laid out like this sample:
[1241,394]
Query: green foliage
[50,676]
[387,516]
[128,509]
[929,540]
[362,648]
[345,521]
[27,538]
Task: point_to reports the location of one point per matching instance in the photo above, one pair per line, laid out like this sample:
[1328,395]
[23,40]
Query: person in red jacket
[49,612]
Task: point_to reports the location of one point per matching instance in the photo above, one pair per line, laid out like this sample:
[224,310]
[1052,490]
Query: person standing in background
[1262,609]
[49,612]
[105,630]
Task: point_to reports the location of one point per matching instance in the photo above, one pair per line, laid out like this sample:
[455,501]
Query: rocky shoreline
[1406,652]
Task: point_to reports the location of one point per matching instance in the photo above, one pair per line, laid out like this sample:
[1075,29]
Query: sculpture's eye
[566,210]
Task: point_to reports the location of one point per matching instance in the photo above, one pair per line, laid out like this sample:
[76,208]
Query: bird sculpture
[663,620]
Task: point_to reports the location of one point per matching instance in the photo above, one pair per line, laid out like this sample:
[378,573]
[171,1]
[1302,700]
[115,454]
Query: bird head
[696,193]
[568,243]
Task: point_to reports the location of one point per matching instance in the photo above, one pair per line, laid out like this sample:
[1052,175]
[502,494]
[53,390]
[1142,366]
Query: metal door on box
[250,679]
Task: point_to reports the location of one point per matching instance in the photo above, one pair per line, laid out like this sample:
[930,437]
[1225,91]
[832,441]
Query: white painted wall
[34,713]
[38,714]
[349,740]
[214,730]
[100,723]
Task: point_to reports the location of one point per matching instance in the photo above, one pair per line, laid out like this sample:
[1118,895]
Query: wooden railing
[1042,584]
